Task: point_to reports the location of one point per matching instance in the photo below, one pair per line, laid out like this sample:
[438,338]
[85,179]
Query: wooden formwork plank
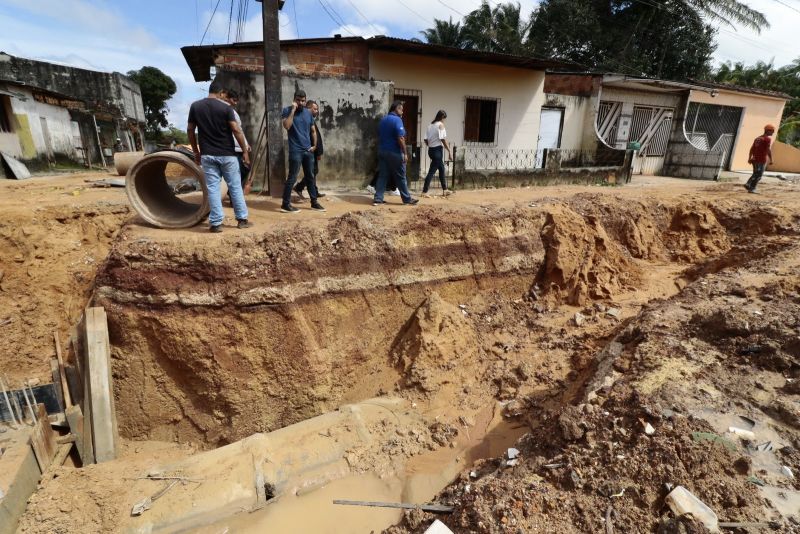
[101,397]
[43,439]
[83,436]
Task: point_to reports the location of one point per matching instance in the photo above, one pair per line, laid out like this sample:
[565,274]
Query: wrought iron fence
[498,159]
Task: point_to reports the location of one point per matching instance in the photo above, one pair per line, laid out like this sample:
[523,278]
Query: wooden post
[276,166]
[100,396]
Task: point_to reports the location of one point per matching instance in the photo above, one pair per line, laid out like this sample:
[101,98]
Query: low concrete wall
[683,159]
[349,114]
[785,158]
[19,475]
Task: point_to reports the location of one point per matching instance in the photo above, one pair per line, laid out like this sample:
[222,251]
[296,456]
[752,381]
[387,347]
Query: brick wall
[571,84]
[338,60]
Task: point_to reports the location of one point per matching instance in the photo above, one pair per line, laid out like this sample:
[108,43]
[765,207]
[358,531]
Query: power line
[414,12]
[296,26]
[338,22]
[209,22]
[230,21]
[377,31]
[451,9]
[781,2]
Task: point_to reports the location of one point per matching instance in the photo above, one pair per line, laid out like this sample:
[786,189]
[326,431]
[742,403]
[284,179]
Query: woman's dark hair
[396,104]
[441,114]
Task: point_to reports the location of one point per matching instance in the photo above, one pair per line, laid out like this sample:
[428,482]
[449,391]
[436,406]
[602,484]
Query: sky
[123,35]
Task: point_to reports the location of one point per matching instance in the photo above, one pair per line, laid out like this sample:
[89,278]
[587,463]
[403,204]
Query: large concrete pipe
[153,198]
[123,161]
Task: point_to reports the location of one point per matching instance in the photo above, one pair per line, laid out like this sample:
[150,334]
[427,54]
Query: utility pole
[276,168]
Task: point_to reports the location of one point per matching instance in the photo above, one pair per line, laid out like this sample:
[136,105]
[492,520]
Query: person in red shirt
[760,157]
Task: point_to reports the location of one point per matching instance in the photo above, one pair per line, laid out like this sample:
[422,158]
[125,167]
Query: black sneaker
[316,206]
[215,229]
[244,223]
[378,202]
[289,209]
[299,192]
[320,195]
[748,188]
[412,202]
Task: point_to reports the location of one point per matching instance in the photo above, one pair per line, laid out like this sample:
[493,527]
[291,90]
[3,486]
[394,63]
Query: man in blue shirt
[299,124]
[392,155]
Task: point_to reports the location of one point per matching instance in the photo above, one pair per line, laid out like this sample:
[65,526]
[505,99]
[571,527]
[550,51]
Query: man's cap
[769,127]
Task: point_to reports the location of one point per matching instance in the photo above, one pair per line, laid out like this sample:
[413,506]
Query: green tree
[446,33]
[665,40]
[157,88]
[173,132]
[765,76]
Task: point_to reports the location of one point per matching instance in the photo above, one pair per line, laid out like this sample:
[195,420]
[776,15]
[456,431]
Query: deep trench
[205,355]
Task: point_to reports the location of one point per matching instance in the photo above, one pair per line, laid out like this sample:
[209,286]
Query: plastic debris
[649,430]
[747,434]
[681,501]
[512,453]
[786,470]
[437,527]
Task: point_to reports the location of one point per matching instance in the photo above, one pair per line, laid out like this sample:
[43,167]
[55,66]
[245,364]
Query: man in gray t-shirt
[216,123]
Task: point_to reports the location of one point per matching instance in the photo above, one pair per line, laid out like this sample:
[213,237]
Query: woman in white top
[436,140]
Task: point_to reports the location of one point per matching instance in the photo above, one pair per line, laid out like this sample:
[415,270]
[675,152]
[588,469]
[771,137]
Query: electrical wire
[451,9]
[781,2]
[296,26]
[377,31]
[414,12]
[210,20]
[339,22]
[230,22]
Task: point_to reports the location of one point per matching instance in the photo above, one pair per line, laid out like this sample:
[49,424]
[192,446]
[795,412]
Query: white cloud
[100,50]
[87,15]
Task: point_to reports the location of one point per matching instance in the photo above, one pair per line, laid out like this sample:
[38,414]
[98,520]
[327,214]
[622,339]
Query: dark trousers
[244,170]
[758,172]
[436,153]
[302,183]
[306,161]
[391,165]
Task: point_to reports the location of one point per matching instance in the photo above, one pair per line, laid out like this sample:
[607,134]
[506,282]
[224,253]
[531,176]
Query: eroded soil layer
[213,341]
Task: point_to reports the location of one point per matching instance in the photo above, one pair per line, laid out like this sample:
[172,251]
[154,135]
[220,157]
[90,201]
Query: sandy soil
[627,305]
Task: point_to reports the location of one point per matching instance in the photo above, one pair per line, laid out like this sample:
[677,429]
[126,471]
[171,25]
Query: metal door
[549,132]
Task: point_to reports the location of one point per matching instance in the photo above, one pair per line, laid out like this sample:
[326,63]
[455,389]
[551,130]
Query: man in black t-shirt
[217,126]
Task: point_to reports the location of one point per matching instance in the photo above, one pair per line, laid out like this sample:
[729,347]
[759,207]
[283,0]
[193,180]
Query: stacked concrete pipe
[123,161]
[153,198]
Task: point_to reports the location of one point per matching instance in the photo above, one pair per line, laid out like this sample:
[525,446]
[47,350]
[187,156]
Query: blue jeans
[758,172]
[392,164]
[436,154]
[216,168]
[297,160]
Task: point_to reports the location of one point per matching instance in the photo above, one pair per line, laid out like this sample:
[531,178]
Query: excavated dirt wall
[214,340]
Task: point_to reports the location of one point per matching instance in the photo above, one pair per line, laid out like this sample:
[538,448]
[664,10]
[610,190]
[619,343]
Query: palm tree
[446,33]
[729,12]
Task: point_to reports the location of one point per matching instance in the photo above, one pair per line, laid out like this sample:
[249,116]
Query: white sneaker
[370,190]
[396,193]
